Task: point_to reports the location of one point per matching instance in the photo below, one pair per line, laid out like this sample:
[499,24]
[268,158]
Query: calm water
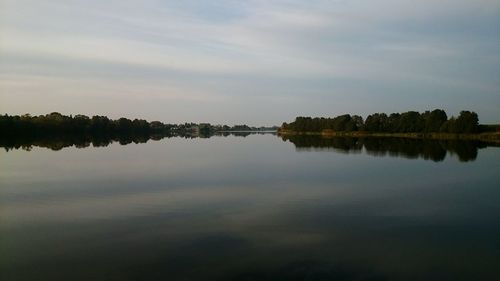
[253,208]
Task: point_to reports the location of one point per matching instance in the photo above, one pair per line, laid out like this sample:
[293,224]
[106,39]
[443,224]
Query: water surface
[253,208]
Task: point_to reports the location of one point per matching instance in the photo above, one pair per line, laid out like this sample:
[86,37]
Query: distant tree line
[57,131]
[408,122]
[56,123]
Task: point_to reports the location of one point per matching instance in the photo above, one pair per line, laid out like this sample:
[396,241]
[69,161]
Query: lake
[252,208]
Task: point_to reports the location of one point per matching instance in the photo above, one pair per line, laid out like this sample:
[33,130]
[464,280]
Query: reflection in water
[231,208]
[60,141]
[434,150]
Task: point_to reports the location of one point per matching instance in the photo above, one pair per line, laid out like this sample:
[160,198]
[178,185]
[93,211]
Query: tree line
[433,121]
[56,131]
[57,123]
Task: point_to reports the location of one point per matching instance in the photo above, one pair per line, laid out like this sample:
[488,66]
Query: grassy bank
[491,137]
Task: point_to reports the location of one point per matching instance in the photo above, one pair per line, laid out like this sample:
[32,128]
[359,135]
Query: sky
[252,62]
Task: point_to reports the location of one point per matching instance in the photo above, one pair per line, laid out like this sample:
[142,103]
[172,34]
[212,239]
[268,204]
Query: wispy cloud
[252,52]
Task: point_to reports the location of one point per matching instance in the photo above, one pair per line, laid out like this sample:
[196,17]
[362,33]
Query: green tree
[434,120]
[467,122]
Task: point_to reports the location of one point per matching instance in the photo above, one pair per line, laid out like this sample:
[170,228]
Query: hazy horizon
[252,62]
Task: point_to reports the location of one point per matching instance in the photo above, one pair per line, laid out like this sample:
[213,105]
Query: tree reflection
[60,141]
[434,150]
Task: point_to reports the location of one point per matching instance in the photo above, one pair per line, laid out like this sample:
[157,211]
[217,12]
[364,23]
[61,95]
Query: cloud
[227,48]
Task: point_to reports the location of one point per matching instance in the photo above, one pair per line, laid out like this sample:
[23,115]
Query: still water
[251,208]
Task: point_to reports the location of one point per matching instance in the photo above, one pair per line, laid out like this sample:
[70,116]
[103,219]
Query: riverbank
[490,137]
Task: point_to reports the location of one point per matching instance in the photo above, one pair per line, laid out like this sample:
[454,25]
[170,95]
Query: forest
[56,131]
[57,123]
[434,121]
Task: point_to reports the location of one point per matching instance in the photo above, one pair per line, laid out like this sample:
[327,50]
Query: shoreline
[489,137]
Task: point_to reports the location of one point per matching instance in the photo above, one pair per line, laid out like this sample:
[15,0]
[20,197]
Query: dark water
[253,208]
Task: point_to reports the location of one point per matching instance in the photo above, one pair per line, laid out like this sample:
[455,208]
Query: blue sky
[254,62]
